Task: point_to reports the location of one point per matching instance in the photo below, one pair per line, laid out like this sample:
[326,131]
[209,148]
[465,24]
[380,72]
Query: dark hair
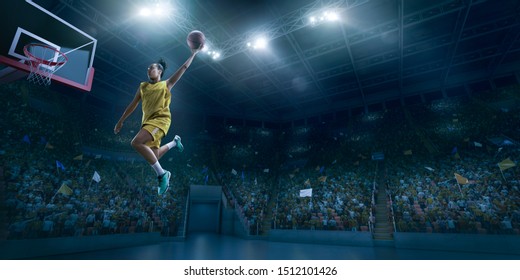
[161,64]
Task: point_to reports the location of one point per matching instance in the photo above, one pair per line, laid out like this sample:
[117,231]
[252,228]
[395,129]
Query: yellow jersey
[156,100]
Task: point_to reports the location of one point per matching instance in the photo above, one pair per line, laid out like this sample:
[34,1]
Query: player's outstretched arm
[128,111]
[178,74]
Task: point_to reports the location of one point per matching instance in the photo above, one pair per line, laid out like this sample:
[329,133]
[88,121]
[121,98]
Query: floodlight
[260,43]
[159,9]
[145,12]
[331,16]
[325,16]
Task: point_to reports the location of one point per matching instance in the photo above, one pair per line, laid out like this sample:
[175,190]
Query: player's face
[154,72]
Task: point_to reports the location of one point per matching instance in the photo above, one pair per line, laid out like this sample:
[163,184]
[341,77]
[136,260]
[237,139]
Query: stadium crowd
[50,188]
[49,184]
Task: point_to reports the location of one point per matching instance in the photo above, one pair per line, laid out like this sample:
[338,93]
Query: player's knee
[135,143]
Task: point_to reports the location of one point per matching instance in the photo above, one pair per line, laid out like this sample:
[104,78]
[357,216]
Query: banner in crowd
[64,189]
[306,193]
[454,150]
[79,157]
[506,164]
[378,156]
[461,180]
[60,165]
[96,177]
[26,139]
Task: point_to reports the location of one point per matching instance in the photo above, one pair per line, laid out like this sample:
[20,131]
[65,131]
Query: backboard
[25,22]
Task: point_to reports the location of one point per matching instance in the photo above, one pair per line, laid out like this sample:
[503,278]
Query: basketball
[195,39]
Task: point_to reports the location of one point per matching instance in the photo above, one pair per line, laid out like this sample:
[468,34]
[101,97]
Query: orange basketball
[195,39]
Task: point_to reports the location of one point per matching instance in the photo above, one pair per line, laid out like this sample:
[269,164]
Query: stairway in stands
[383,228]
[270,210]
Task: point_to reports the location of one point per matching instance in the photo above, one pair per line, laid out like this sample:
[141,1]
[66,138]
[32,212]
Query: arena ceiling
[379,54]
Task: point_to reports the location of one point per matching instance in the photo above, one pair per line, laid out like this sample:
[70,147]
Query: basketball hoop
[44,61]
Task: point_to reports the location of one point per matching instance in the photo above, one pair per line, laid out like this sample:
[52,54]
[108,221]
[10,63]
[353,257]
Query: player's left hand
[118,127]
[195,51]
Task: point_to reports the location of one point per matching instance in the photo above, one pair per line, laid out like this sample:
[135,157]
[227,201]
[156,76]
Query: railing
[243,218]
[238,209]
[275,213]
[186,208]
[276,207]
[373,202]
[240,213]
[392,211]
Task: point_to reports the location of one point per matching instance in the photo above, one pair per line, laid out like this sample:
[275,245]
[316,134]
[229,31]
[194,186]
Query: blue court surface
[203,246]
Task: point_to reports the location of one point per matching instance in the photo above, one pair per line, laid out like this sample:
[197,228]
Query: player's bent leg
[162,151]
[175,143]
[164,179]
[156,152]
[138,143]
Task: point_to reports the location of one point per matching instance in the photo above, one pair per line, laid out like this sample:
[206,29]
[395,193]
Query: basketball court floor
[207,246]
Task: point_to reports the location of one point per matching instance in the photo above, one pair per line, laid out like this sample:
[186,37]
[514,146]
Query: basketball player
[156,96]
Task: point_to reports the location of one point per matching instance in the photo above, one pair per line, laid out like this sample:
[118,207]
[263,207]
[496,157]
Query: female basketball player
[156,96]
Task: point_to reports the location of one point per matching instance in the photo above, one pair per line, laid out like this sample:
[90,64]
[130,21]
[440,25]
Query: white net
[44,61]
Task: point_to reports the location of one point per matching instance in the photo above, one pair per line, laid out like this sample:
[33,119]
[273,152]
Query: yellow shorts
[157,135]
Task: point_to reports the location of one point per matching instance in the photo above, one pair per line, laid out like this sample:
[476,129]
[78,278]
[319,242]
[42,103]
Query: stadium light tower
[293,21]
[325,16]
[260,43]
[161,9]
[277,28]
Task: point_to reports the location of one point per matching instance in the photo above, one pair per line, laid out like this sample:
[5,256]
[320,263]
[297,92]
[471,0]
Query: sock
[158,169]
[171,144]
